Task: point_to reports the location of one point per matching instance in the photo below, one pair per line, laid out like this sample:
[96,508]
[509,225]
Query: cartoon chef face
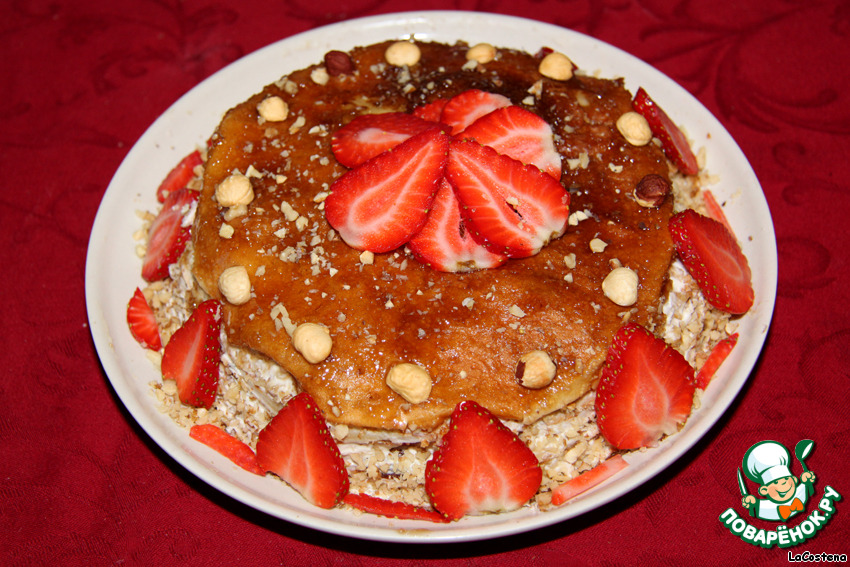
[767,463]
[780,490]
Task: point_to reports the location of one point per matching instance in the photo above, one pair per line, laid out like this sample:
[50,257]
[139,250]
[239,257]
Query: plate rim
[207,465]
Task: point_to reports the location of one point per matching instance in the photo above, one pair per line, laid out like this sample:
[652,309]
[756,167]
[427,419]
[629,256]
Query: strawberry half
[646,389]
[465,108]
[297,446]
[168,234]
[673,141]
[180,176]
[481,466]
[227,445]
[444,244]
[142,321]
[520,134]
[192,356]
[379,205]
[714,259]
[371,134]
[510,208]
[391,509]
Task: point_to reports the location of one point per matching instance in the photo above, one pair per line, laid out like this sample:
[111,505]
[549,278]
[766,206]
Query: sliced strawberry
[379,205]
[714,209]
[391,509]
[432,111]
[180,176]
[465,108]
[510,208]
[673,141]
[444,244]
[646,389]
[142,322]
[481,466]
[520,134]
[715,260]
[192,356]
[715,358]
[588,479]
[226,444]
[297,446]
[371,134]
[168,234]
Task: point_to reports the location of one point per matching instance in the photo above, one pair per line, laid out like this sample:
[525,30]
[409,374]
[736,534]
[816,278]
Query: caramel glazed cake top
[468,330]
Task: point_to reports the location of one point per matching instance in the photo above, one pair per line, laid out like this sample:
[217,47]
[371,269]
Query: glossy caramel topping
[470,330]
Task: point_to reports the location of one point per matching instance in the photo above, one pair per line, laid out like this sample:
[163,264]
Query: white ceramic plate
[113,270]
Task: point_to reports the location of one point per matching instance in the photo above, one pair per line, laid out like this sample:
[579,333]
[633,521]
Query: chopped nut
[235,190]
[402,53]
[481,53]
[297,125]
[621,286]
[226,231]
[535,370]
[313,341]
[598,245]
[634,128]
[367,257]
[320,76]
[235,285]
[651,190]
[235,212]
[410,381]
[516,311]
[576,217]
[338,63]
[556,66]
[273,109]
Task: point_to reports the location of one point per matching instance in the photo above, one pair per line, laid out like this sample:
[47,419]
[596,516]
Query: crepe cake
[469,330]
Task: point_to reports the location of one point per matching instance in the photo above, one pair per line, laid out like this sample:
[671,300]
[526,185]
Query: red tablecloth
[82,484]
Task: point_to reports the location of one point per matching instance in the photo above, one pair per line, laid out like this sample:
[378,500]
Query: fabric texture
[82,484]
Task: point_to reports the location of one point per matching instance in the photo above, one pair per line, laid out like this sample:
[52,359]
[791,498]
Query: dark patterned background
[81,484]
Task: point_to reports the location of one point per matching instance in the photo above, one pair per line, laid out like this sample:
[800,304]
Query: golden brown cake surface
[468,330]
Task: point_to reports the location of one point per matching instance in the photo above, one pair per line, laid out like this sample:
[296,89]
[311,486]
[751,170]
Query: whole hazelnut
[410,381]
[556,66]
[535,370]
[651,190]
[402,53]
[621,286]
[481,53]
[313,341]
[235,285]
[273,109]
[338,63]
[634,128]
[235,190]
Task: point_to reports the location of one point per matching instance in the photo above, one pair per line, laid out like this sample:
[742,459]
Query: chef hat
[767,461]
